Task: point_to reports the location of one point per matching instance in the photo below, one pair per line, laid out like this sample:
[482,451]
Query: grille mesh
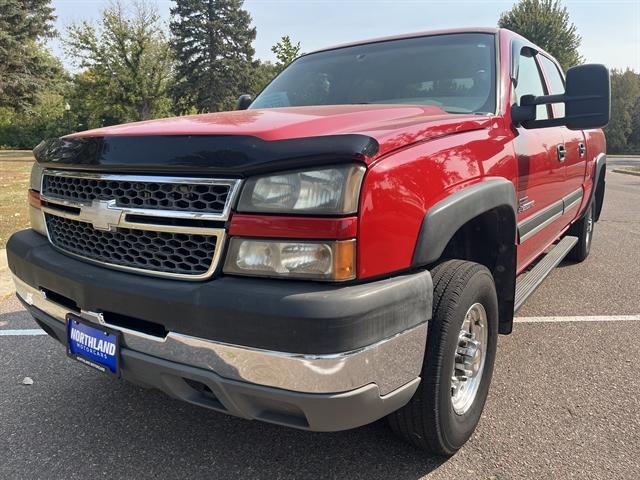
[180,253]
[152,195]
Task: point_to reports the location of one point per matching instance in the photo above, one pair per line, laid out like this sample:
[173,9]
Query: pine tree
[25,65]
[214,56]
[546,23]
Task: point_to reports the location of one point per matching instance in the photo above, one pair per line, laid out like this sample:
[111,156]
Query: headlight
[323,191]
[312,260]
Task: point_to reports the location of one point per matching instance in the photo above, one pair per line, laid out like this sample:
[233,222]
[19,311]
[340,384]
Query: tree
[127,59]
[25,129]
[634,136]
[212,41]
[286,52]
[87,95]
[546,23]
[625,97]
[26,66]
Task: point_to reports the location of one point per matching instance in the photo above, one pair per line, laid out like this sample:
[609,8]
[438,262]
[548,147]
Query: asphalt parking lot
[563,403]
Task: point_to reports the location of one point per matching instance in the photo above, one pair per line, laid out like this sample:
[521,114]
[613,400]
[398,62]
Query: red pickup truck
[345,247]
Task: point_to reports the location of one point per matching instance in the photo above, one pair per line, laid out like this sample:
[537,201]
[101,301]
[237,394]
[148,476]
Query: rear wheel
[583,229]
[458,364]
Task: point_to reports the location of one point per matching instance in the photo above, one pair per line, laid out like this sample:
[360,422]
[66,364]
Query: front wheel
[458,364]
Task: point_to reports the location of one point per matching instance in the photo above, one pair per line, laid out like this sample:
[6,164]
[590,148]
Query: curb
[6,283]
[626,172]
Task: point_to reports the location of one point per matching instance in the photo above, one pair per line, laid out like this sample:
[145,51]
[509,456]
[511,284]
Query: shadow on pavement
[17,319]
[73,415]
[160,434]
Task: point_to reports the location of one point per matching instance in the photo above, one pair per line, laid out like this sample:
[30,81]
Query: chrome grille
[142,194]
[180,253]
[122,221]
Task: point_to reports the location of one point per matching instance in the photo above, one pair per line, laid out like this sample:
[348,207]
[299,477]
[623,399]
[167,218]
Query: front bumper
[339,389]
[205,388]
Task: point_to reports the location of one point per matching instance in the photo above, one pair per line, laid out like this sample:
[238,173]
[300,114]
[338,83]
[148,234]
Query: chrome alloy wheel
[470,355]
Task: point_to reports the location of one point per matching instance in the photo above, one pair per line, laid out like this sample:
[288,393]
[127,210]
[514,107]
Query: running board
[527,283]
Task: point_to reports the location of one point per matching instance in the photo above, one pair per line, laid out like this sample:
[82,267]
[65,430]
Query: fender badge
[525,204]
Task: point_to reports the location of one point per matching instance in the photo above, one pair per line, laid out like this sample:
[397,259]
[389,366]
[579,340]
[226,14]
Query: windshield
[455,72]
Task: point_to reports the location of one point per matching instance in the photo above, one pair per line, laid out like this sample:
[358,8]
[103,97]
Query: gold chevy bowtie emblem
[102,214]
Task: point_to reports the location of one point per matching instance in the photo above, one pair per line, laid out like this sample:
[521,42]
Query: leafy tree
[625,99]
[546,23]
[286,52]
[25,129]
[634,137]
[212,44]
[26,66]
[127,61]
[87,96]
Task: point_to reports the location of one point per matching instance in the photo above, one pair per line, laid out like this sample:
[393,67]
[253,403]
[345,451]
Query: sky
[610,29]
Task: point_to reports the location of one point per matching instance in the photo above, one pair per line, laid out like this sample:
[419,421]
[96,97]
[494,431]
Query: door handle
[562,152]
[582,149]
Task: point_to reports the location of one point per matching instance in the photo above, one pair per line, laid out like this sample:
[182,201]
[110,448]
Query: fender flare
[446,217]
[597,191]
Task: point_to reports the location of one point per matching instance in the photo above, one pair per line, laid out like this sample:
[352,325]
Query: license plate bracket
[93,345]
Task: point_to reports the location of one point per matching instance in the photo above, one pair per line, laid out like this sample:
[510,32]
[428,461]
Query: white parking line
[30,332]
[593,318]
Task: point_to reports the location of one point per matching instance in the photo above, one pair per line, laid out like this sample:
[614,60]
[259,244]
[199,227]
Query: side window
[530,83]
[556,84]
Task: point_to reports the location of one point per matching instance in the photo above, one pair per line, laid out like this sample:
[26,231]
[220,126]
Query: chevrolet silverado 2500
[345,247]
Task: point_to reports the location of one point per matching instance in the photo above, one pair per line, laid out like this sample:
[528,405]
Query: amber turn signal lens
[34,199]
[35,212]
[345,260]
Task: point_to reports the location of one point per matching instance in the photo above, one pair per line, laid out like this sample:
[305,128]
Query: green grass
[15,167]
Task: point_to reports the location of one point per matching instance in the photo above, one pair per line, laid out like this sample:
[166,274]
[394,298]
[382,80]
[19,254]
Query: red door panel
[540,184]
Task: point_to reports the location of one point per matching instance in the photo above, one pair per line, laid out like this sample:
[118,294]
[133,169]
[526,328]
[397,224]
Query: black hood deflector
[231,155]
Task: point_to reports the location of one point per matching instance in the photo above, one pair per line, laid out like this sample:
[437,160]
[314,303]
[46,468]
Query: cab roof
[491,30]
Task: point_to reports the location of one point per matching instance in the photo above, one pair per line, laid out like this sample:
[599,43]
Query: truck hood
[381,122]
[243,141]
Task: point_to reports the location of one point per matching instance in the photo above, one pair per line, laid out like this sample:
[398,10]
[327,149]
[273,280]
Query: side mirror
[587,100]
[243,102]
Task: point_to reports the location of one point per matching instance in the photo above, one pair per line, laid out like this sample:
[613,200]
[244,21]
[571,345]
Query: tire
[429,421]
[583,229]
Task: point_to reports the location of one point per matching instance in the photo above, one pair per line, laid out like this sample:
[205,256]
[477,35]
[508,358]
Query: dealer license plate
[94,346]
